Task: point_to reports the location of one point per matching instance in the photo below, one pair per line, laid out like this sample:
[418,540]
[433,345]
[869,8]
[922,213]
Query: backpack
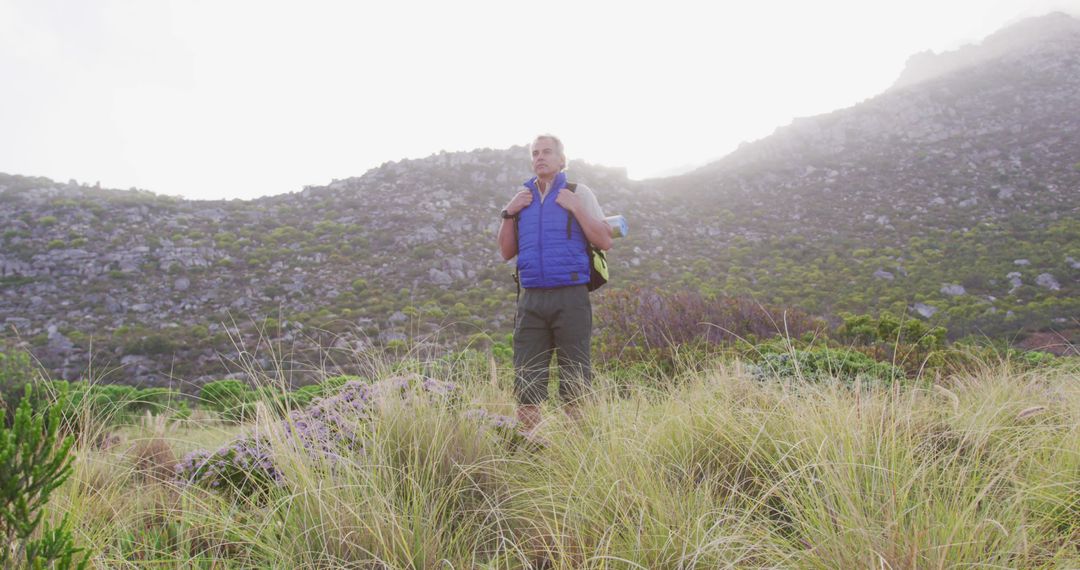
[598,267]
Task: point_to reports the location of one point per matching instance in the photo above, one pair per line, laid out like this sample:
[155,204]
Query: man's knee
[531,374]
[530,391]
[575,378]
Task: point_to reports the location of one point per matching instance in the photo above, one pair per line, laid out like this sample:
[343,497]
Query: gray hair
[559,148]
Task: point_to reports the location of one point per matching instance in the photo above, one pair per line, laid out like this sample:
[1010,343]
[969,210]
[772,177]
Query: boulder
[1047,281]
[924,310]
[1014,280]
[59,343]
[112,305]
[952,289]
[387,336]
[19,323]
[439,277]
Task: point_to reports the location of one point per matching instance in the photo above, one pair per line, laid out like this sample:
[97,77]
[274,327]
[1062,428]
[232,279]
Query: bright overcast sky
[239,99]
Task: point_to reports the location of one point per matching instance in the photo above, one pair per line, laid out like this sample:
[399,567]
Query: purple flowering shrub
[244,467]
[505,428]
[329,429]
[491,420]
[503,425]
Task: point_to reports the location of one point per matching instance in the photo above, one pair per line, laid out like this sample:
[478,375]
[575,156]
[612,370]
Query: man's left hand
[568,200]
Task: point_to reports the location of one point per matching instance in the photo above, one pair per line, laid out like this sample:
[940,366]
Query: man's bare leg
[528,418]
[572,411]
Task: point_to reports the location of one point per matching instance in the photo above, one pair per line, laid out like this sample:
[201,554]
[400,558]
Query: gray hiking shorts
[550,321]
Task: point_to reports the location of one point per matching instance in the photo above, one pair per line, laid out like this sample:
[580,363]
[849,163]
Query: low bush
[115,403]
[231,398]
[236,401]
[15,373]
[909,342]
[34,461]
[849,366]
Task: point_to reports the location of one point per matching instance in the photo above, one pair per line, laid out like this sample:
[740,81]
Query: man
[554,314]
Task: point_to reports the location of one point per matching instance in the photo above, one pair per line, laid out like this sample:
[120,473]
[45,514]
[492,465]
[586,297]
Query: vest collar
[558,183]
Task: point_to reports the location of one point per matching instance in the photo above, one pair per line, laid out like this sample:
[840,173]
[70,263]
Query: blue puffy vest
[546,256]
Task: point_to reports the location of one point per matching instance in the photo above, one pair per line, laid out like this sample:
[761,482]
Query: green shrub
[909,342]
[235,401]
[1034,358]
[821,363]
[303,396]
[306,395]
[503,351]
[15,281]
[231,398]
[182,411]
[15,373]
[34,461]
[117,403]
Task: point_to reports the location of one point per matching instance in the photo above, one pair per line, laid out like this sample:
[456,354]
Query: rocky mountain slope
[954,197]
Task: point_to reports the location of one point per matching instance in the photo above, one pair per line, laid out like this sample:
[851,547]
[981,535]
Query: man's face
[545,158]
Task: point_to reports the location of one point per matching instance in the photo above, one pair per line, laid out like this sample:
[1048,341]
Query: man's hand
[520,201]
[568,200]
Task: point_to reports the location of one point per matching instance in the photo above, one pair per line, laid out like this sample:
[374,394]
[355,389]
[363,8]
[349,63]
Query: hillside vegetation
[953,199]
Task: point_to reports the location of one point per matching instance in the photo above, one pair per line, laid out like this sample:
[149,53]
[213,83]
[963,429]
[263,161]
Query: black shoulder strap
[517,278]
[569,219]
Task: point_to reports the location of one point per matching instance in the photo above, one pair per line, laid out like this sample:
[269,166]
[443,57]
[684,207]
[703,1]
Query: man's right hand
[520,201]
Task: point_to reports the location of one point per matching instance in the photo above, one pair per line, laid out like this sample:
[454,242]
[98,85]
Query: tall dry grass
[718,470]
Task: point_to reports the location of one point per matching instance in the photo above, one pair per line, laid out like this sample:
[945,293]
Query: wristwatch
[506,214]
